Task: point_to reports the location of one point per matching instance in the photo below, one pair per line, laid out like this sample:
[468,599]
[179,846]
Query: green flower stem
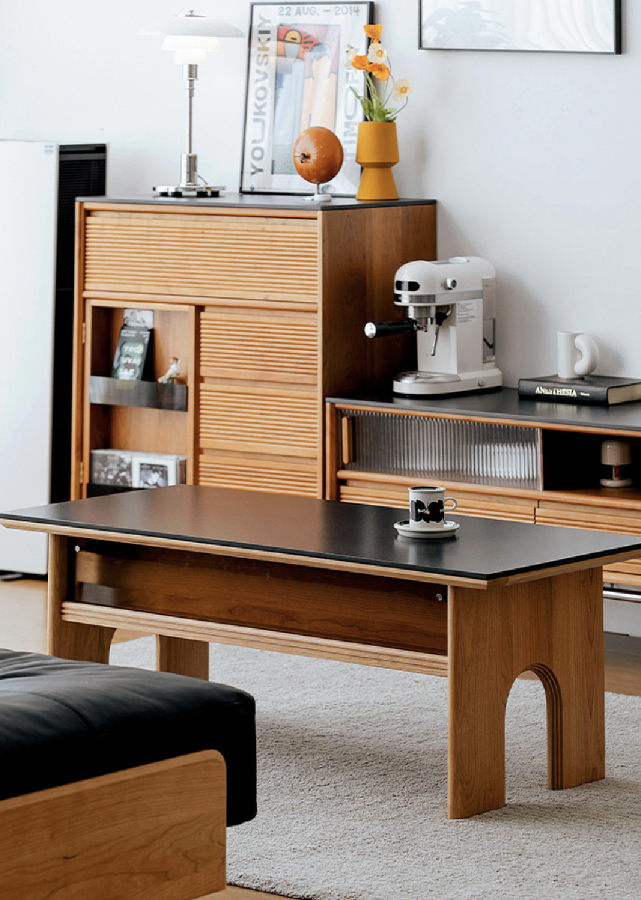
[374,106]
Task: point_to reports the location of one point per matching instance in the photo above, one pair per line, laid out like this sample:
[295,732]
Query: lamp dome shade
[194,27]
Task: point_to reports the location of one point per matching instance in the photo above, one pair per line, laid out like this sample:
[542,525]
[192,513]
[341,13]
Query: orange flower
[373,31]
[360,62]
[379,71]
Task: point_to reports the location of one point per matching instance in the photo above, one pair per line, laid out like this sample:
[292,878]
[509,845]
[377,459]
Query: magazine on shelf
[131,353]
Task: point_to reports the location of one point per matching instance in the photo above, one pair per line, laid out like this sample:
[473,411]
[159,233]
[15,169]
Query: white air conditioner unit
[40,181]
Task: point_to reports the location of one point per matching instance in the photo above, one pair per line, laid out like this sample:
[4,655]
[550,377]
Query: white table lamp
[191,37]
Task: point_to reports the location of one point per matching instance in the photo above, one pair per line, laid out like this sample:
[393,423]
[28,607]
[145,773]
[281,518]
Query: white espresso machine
[450,306]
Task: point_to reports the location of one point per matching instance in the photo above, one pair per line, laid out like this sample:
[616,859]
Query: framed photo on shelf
[149,473]
[112,467]
[562,26]
[152,470]
[297,78]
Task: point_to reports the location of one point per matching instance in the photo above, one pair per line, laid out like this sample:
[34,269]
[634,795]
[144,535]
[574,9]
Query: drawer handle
[347,440]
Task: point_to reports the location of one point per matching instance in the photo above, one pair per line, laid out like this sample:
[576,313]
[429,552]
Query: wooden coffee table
[195,565]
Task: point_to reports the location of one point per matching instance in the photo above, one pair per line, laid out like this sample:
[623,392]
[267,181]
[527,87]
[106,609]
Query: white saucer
[448,530]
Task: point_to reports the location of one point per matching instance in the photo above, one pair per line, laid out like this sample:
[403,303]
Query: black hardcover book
[131,353]
[598,390]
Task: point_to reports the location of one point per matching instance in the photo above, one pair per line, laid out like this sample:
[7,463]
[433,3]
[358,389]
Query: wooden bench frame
[156,832]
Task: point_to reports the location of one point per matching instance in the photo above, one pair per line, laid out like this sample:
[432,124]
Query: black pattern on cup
[427,507]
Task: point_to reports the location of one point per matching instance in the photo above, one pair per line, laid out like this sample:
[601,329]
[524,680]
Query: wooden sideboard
[500,456]
[263,300]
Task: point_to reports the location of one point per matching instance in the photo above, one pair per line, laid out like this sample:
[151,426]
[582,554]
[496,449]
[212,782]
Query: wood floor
[23,627]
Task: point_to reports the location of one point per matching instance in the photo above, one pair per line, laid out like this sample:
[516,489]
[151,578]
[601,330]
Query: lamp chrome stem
[190,74]
[190,181]
[189,160]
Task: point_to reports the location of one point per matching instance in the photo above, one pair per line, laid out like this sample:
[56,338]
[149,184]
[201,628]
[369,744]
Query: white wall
[534,158]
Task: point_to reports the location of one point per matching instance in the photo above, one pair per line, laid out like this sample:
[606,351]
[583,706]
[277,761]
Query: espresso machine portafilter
[450,307]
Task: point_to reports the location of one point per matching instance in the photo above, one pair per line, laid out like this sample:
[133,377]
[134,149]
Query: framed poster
[297,78]
[562,26]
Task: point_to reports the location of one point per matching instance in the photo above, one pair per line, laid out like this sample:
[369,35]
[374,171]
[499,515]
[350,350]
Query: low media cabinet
[501,456]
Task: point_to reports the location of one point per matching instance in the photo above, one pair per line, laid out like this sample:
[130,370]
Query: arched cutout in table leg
[554,627]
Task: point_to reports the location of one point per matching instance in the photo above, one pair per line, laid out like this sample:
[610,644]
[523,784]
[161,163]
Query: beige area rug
[353,790]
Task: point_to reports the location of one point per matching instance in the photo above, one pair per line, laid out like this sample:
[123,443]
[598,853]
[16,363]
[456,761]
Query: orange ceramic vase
[377,152]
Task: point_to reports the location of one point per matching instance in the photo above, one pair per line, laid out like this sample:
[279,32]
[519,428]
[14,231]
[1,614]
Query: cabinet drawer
[628,572]
[277,476]
[259,420]
[202,255]
[470,503]
[592,518]
[246,345]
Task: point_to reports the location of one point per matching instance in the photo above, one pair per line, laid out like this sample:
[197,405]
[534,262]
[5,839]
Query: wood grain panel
[482,505]
[288,476]
[282,348]
[154,831]
[553,627]
[239,636]
[174,654]
[151,430]
[251,418]
[66,639]
[199,256]
[631,567]
[361,250]
[591,517]
[270,596]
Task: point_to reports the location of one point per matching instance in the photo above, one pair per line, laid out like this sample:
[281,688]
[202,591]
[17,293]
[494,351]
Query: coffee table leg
[70,640]
[181,656]
[554,627]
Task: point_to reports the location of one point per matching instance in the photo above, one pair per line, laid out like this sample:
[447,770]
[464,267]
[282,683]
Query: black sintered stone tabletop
[483,549]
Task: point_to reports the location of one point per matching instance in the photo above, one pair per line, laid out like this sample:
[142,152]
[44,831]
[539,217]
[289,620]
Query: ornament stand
[319,196]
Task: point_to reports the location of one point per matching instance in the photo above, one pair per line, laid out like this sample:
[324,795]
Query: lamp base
[188,190]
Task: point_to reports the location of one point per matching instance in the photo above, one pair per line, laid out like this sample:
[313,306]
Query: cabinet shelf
[150,394]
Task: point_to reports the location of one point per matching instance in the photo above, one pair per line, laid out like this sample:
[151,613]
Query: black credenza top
[506,404]
[291,202]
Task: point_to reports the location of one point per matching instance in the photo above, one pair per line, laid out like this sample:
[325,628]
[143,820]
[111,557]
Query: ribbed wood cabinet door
[200,255]
[259,420]
[277,347]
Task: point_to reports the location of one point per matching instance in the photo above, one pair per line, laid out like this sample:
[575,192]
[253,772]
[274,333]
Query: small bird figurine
[172,373]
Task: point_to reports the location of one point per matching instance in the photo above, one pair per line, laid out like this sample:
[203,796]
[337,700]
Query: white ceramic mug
[427,507]
[577,354]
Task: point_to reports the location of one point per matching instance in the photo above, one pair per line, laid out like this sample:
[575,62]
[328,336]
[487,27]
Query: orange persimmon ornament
[318,155]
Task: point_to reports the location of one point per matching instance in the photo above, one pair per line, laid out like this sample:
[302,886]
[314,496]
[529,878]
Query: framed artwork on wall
[562,26]
[297,78]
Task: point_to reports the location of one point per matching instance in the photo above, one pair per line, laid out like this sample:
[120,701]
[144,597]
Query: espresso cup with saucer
[427,513]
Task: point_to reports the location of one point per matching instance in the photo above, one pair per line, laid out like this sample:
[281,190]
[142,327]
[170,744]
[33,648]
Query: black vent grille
[82,173]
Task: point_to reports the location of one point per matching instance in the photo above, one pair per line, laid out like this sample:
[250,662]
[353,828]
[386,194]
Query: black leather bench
[113,780]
